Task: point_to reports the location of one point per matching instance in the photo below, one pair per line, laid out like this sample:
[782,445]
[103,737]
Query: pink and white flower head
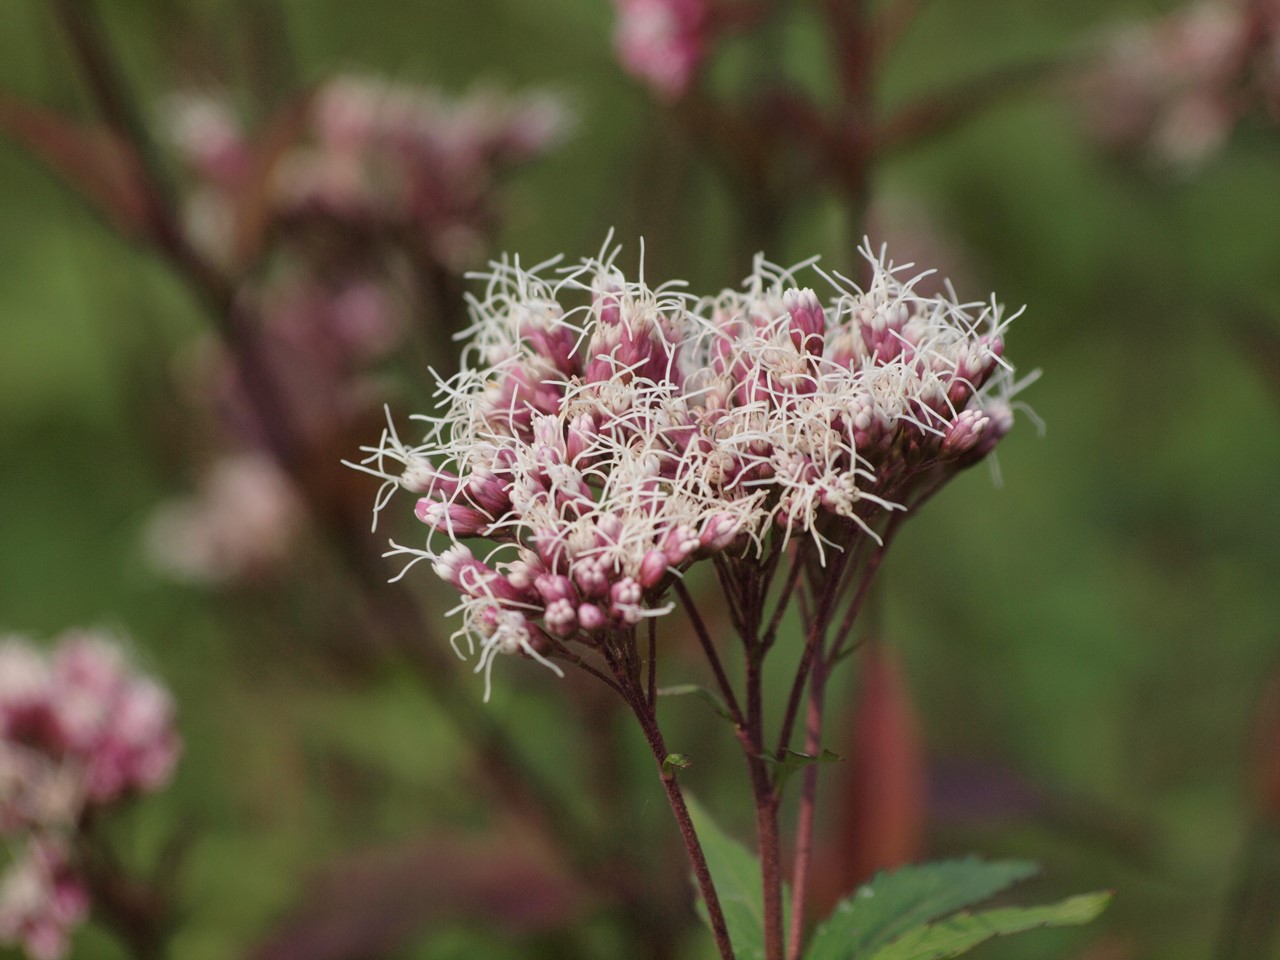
[385,150]
[604,434]
[78,728]
[42,899]
[1180,84]
[372,151]
[662,42]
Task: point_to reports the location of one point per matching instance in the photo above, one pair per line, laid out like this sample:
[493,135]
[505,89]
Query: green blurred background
[1099,630]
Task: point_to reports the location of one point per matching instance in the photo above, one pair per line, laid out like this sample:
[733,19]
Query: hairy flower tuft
[604,434]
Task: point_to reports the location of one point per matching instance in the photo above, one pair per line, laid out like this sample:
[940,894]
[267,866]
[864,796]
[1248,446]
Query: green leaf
[793,760]
[674,761]
[894,903]
[702,693]
[962,932]
[736,874]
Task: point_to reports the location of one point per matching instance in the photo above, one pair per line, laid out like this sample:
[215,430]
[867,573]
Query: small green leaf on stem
[793,760]
[674,761]
[702,693]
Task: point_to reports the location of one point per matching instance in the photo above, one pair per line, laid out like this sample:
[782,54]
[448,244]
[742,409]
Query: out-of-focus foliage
[1086,644]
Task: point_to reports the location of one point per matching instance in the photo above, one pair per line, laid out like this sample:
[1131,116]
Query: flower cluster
[238,527]
[79,731]
[662,42]
[359,208]
[603,435]
[1180,84]
[371,152]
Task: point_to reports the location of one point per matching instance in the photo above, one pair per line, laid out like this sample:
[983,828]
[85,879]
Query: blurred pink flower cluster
[359,207]
[662,42]
[238,526]
[318,339]
[1177,86]
[80,730]
[368,151]
[605,445]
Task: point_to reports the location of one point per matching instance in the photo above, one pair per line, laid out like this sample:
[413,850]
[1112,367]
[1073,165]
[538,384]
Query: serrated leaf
[962,932]
[736,874]
[893,904]
[702,693]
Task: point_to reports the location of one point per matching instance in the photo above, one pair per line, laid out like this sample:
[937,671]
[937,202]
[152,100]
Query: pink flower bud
[548,440]
[579,437]
[964,434]
[489,491]
[461,570]
[448,566]
[508,629]
[591,617]
[521,574]
[453,519]
[679,544]
[652,568]
[551,339]
[552,587]
[1001,422]
[625,593]
[808,320]
[592,576]
[560,618]
[719,532]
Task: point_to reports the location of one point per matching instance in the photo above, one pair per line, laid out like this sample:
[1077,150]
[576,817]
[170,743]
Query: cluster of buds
[1179,85]
[79,731]
[372,152]
[604,435]
[662,43]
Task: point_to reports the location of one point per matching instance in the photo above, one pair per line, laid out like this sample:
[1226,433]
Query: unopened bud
[579,436]
[451,518]
[679,544]
[963,434]
[448,565]
[560,618]
[591,617]
[719,532]
[652,568]
[552,587]
[808,320]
